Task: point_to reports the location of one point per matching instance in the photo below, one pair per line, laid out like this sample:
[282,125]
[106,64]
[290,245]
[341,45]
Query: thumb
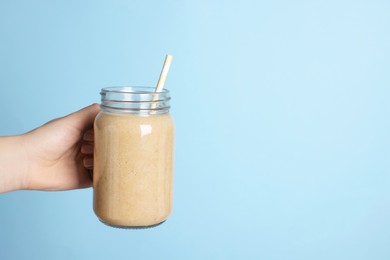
[84,118]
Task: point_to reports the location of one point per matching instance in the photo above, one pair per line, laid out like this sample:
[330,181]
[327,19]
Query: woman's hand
[55,156]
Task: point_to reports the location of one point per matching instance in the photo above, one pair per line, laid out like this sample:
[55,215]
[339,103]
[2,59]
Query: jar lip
[139,90]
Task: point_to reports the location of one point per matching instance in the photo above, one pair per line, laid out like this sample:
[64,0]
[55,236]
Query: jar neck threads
[135,100]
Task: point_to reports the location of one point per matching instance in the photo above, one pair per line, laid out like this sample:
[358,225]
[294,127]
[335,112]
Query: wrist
[13,163]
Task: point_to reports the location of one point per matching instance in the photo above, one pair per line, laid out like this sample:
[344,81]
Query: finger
[84,118]
[87,148]
[88,162]
[90,174]
[88,135]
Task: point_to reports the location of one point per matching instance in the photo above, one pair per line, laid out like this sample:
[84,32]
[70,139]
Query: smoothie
[133,169]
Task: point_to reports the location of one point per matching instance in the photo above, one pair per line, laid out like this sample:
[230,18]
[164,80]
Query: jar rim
[139,90]
[136,100]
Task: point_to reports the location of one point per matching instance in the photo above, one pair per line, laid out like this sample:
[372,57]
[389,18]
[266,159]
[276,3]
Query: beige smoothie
[133,168]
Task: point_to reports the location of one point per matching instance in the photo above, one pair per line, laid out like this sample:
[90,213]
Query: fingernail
[88,162]
[88,136]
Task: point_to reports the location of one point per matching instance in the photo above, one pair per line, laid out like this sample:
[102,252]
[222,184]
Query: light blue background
[282,113]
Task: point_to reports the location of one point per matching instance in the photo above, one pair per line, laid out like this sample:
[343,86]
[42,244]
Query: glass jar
[133,157]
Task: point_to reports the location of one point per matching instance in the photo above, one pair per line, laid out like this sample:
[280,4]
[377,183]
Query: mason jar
[133,157]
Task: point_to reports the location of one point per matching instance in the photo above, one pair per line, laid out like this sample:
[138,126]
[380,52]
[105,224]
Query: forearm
[13,164]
